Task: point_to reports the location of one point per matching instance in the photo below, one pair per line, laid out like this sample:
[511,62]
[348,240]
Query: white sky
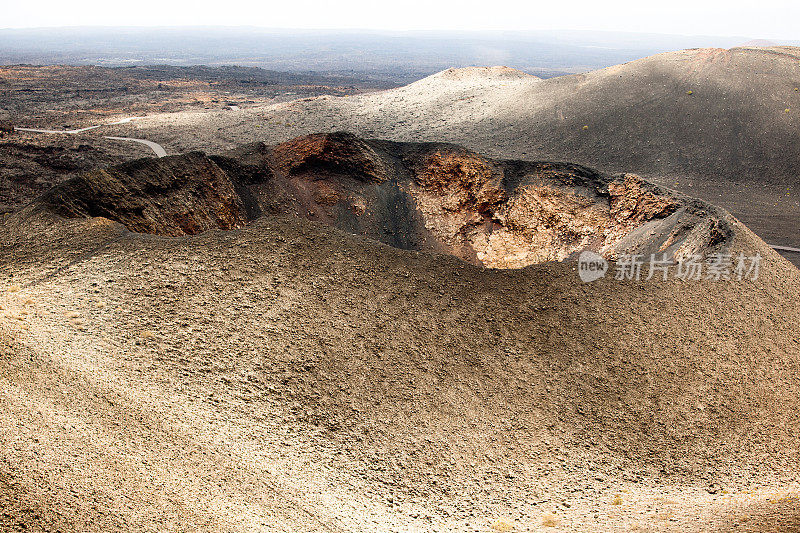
[775,19]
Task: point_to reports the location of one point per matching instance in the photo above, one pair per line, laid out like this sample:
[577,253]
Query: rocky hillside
[226,344]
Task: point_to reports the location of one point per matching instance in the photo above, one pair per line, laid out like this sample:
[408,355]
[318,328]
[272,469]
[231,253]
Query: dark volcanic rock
[6,128]
[179,195]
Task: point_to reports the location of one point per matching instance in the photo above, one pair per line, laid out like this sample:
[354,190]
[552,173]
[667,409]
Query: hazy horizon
[765,20]
[389,55]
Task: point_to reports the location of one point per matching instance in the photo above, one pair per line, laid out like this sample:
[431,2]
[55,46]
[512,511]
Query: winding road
[784,248]
[69,132]
[157,148]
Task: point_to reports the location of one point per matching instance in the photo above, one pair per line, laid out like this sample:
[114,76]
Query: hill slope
[717,124]
[285,375]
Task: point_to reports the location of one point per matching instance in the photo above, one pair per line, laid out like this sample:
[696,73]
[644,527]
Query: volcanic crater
[413,196]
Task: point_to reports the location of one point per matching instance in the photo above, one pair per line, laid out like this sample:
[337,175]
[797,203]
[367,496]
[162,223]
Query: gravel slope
[290,377]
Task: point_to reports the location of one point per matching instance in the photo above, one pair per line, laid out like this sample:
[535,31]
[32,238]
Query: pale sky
[771,19]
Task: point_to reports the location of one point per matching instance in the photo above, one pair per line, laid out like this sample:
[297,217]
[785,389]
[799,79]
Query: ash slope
[288,376]
[423,197]
[704,112]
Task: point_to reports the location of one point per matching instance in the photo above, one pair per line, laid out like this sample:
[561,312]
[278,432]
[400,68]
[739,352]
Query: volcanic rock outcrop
[182,195]
[413,196]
